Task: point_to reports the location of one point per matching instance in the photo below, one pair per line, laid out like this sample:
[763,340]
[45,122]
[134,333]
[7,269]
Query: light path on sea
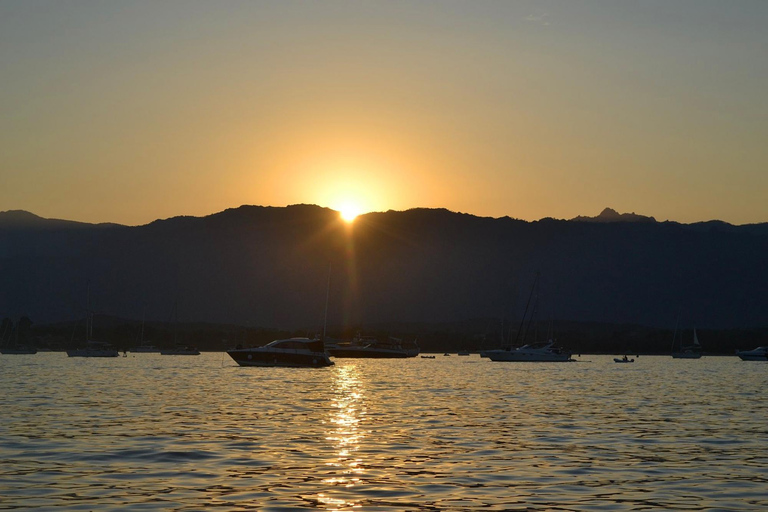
[151,432]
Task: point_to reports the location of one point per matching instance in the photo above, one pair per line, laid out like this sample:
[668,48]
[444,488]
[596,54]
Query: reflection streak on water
[345,433]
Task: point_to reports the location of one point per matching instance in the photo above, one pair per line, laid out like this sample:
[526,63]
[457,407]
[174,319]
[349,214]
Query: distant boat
[180,351]
[19,349]
[624,359]
[147,349]
[7,346]
[758,354]
[371,347]
[427,357]
[686,351]
[143,346]
[92,348]
[530,352]
[540,352]
[292,352]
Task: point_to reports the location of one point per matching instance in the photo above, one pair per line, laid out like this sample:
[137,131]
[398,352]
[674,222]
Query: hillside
[268,267]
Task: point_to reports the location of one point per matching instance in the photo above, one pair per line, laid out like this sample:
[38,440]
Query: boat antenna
[327,296]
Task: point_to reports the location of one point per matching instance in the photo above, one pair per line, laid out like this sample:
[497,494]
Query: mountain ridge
[268,266]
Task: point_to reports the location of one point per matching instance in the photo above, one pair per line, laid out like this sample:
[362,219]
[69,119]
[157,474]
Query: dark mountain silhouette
[268,267]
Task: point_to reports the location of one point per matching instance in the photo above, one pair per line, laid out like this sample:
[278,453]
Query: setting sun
[349,212]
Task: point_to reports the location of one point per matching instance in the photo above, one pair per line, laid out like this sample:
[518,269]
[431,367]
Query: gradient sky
[136,110]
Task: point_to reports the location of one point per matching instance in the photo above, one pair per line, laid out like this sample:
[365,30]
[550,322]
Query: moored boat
[20,349]
[530,352]
[291,352]
[542,352]
[757,354]
[180,351]
[624,359]
[692,351]
[371,347]
[146,349]
[94,349]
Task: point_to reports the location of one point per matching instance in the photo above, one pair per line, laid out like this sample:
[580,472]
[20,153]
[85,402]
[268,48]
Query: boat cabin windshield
[294,344]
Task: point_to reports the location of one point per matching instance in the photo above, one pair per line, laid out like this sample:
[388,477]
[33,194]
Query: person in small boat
[625,358]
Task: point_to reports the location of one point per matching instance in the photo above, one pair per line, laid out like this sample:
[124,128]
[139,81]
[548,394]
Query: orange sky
[127,112]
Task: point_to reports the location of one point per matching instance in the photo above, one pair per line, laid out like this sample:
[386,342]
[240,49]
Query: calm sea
[151,432]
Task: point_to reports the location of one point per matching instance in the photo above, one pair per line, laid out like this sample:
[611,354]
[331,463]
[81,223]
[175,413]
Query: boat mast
[88,314]
[527,305]
[674,335]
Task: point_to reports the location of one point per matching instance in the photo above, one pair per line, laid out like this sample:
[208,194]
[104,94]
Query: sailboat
[686,351]
[92,348]
[144,347]
[7,346]
[179,349]
[534,352]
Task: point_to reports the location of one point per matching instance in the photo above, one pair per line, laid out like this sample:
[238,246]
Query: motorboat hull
[277,357]
[753,357]
[758,354]
[617,360]
[371,353]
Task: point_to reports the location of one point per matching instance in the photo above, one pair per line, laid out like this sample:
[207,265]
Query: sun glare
[349,213]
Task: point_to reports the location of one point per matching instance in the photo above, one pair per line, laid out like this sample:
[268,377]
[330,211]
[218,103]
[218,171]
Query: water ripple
[162,433]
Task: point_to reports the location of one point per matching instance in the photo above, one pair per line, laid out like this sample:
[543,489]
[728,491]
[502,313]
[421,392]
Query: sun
[349,213]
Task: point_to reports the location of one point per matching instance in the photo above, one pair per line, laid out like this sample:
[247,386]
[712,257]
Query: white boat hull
[758,354]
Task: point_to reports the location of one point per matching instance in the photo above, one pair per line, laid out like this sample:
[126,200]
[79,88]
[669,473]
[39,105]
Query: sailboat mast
[88,314]
[528,304]
[674,335]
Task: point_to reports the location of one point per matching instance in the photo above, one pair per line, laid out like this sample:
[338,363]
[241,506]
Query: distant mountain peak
[611,215]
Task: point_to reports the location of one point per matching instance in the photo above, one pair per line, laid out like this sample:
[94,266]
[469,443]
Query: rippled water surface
[151,432]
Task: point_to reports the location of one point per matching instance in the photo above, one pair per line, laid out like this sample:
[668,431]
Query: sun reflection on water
[345,433]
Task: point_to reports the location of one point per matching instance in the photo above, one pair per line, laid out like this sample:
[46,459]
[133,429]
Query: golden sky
[132,111]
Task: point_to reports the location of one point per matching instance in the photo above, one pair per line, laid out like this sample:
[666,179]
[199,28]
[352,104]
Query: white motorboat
[542,352]
[758,354]
[291,352]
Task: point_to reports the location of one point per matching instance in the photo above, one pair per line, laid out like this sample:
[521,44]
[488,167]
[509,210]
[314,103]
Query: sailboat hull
[686,355]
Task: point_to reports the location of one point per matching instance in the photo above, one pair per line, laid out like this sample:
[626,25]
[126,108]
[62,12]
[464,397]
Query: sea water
[151,432]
